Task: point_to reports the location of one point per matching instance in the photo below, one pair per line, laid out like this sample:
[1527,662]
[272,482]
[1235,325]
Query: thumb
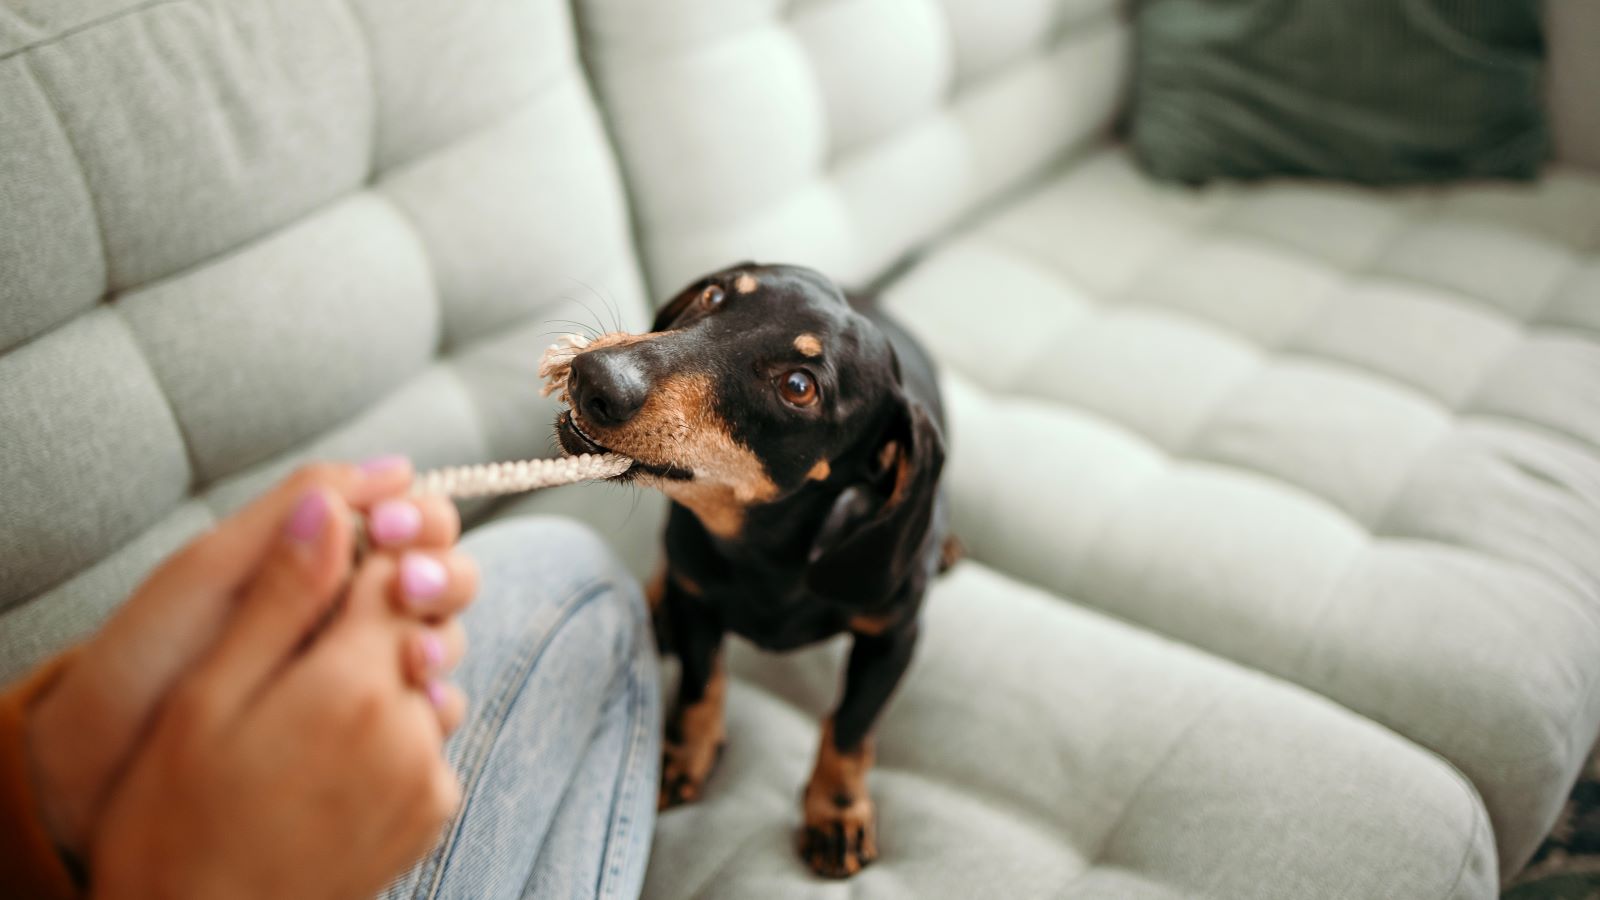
[178,614]
[282,604]
[92,716]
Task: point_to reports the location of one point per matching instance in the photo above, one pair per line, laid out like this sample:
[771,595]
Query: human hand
[295,760]
[82,732]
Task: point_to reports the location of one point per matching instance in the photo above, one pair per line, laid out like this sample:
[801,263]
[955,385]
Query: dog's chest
[774,615]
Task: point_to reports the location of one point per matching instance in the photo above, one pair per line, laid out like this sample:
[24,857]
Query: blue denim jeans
[559,753]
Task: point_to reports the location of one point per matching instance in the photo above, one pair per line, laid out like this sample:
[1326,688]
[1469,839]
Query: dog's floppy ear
[871,537]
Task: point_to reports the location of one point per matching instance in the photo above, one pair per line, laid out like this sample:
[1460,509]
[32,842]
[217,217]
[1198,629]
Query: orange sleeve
[29,862]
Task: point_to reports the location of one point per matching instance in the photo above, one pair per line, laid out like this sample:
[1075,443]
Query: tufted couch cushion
[234,235]
[1041,750]
[838,132]
[1345,437]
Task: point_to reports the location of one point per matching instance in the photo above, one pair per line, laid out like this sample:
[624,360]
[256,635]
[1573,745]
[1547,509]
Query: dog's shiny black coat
[849,552]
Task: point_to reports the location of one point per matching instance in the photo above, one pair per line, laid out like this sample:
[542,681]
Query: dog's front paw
[840,836]
[685,766]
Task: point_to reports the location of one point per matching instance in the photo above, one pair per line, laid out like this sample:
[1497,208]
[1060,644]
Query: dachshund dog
[800,442]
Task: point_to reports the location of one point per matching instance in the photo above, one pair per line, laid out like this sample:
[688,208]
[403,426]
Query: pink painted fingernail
[380,464]
[432,652]
[394,522]
[422,577]
[310,516]
[437,694]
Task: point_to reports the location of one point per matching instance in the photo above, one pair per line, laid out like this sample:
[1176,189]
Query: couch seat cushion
[1346,437]
[1040,749]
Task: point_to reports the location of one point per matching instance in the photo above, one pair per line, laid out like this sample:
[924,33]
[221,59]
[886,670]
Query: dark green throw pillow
[1376,91]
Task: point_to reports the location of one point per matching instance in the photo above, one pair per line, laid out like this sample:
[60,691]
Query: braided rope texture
[494,479]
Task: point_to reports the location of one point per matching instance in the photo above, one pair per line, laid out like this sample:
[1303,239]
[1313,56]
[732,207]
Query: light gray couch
[1284,500]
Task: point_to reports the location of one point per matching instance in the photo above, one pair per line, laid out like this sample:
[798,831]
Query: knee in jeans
[553,557]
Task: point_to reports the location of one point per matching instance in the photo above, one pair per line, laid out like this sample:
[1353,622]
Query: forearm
[29,862]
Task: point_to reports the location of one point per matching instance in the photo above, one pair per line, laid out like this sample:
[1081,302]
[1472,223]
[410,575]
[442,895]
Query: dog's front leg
[695,733]
[841,826]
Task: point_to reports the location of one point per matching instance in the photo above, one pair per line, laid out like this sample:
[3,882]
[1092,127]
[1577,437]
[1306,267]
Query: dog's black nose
[607,387]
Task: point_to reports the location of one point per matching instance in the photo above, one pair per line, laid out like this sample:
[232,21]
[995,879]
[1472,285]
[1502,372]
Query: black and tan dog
[799,441]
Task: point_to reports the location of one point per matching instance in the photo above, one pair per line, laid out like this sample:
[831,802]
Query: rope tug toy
[496,479]
[515,477]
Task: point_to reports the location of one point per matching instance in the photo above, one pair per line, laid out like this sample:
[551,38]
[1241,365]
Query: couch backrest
[237,234]
[838,132]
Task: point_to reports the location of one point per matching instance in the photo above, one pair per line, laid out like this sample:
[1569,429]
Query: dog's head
[754,383]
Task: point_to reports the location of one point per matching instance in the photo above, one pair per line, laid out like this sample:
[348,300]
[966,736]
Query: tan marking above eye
[808,345]
[700,730]
[745,283]
[820,471]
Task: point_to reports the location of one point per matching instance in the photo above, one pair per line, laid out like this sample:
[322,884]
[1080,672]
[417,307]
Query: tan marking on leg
[873,625]
[808,345]
[694,743]
[687,585]
[745,283]
[841,827]
[820,471]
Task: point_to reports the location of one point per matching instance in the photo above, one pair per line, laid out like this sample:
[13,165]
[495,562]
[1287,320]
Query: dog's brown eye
[711,296]
[798,388]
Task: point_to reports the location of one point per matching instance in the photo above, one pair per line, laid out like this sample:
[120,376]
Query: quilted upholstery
[236,235]
[1327,437]
[1348,438]
[1041,750]
[838,132]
